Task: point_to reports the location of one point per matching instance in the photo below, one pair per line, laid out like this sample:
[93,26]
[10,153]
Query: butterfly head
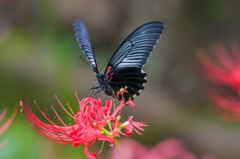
[100,78]
[99,75]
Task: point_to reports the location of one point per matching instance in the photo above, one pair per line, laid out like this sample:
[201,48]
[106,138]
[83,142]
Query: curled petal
[109,106]
[108,138]
[89,155]
[121,105]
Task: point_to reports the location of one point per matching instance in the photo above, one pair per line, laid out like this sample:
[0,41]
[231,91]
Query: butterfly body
[104,84]
[123,78]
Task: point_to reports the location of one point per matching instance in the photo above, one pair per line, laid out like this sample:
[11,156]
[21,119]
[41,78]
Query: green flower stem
[122,126]
[106,132]
[116,123]
[109,124]
[119,148]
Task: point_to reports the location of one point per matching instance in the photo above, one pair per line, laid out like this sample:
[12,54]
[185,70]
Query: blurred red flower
[167,149]
[5,126]
[224,69]
[227,106]
[223,73]
[93,122]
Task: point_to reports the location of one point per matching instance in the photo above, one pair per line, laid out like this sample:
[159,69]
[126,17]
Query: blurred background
[39,58]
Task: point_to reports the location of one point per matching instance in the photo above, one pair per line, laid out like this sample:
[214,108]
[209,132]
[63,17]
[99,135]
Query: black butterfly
[123,77]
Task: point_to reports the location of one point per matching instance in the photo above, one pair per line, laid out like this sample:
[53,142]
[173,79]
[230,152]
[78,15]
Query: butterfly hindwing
[124,70]
[84,43]
[127,83]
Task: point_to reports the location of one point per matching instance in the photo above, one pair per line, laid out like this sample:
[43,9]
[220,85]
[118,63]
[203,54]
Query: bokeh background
[39,58]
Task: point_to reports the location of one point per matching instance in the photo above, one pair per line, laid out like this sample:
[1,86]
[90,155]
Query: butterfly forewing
[124,70]
[84,43]
[137,47]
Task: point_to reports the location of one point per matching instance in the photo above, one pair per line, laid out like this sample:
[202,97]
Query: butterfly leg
[114,101]
[93,84]
[92,89]
[105,100]
[99,91]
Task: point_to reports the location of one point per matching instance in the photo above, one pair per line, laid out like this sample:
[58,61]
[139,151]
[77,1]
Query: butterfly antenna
[84,60]
[104,64]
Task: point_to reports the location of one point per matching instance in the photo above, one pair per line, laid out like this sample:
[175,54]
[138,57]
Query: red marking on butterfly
[108,69]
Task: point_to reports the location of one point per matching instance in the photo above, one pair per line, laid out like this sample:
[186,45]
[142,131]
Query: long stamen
[58,116]
[63,107]
[70,109]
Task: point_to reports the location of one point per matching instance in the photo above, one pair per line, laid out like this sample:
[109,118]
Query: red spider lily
[225,69]
[224,73]
[92,121]
[228,108]
[5,126]
[167,149]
